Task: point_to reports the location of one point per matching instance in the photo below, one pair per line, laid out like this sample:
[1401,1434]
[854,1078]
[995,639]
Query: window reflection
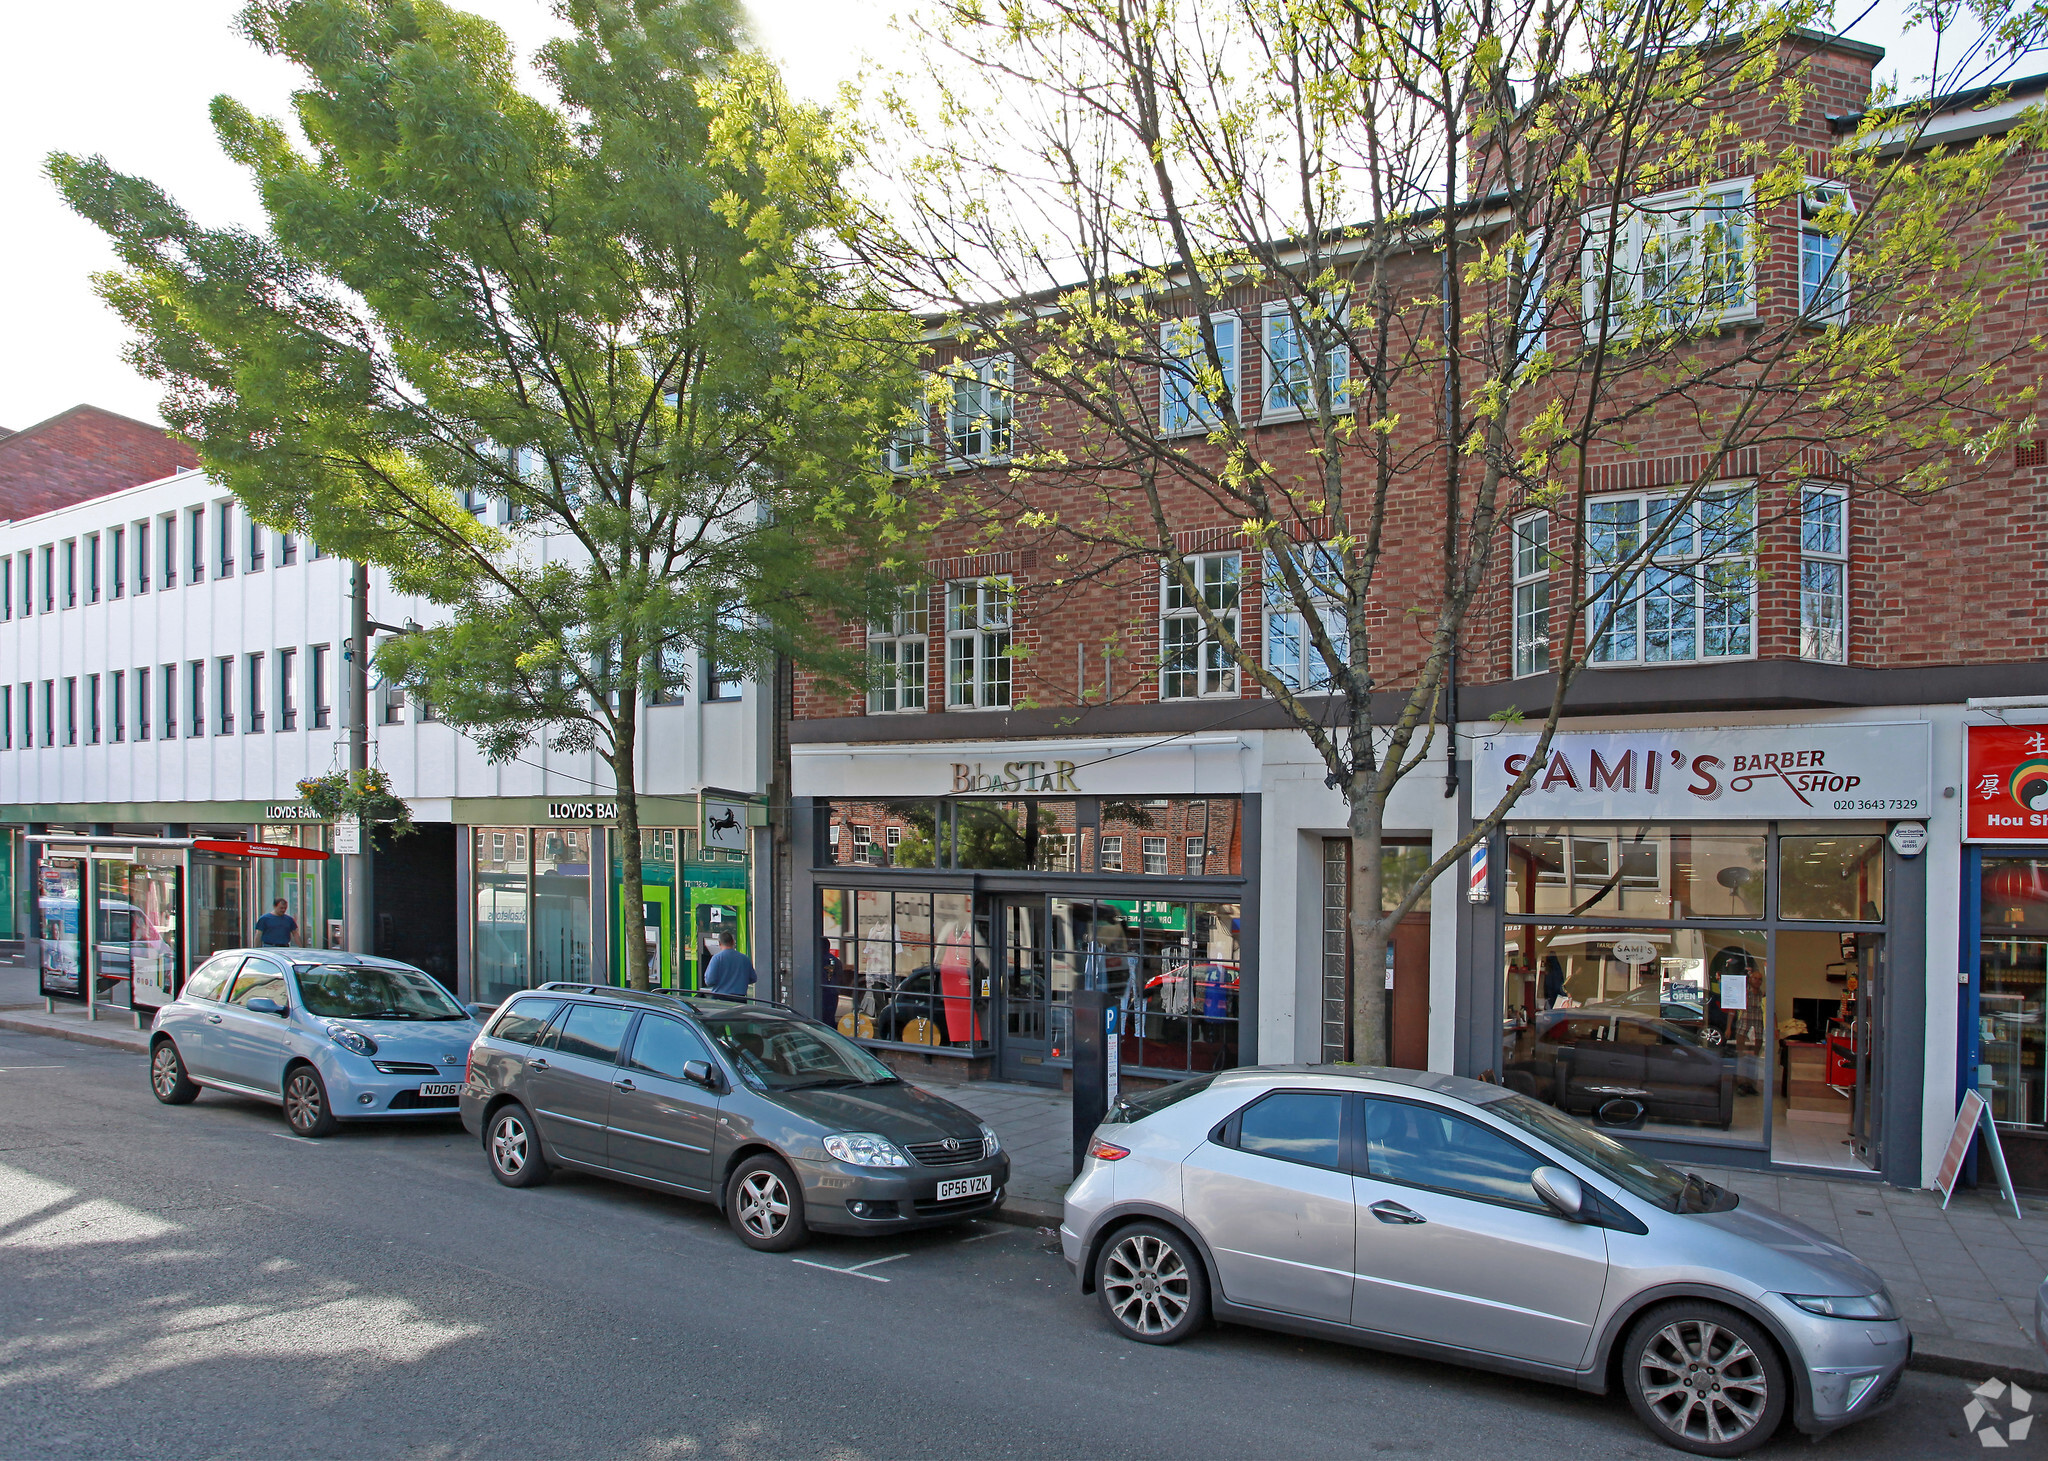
[1650,872]
[1838,877]
[2013,979]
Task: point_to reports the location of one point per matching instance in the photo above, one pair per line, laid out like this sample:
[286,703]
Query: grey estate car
[779,1120]
[1434,1215]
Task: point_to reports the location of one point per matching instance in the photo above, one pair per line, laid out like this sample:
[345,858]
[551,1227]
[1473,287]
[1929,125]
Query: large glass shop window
[1658,1030]
[902,965]
[1159,836]
[2013,979]
[1649,872]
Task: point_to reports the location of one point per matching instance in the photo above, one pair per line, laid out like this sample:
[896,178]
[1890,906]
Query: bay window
[1677,261]
[1693,599]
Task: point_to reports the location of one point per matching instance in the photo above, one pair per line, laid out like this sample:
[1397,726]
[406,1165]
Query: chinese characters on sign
[2007,796]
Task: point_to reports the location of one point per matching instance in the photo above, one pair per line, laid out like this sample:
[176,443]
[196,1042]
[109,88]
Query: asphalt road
[194,1281]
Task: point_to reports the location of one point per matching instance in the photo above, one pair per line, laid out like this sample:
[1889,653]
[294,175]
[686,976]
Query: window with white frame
[725,675]
[1154,853]
[978,614]
[1112,854]
[1693,599]
[1681,260]
[1532,594]
[896,654]
[911,439]
[1825,212]
[1193,662]
[980,410]
[863,844]
[1534,312]
[1291,652]
[1295,335]
[1191,391]
[1824,575]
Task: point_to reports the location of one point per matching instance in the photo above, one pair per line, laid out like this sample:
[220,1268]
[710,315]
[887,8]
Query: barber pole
[1478,887]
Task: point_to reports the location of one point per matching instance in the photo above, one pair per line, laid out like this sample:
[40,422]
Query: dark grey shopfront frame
[1482,994]
[812,870]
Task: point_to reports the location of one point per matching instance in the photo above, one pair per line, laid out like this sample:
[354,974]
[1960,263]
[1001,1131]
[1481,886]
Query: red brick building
[83,453]
[1713,921]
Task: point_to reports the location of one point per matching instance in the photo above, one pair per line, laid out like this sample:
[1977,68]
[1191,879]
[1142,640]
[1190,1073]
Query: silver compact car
[329,1036]
[1434,1215]
[780,1121]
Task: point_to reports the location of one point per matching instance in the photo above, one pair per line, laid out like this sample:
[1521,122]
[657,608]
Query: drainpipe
[356,907]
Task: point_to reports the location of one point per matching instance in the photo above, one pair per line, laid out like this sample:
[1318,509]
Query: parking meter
[1095,1065]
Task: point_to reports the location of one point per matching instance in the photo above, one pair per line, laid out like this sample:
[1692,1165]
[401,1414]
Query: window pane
[664,1046]
[1838,878]
[1655,872]
[594,1031]
[523,1020]
[1421,1146]
[1820,523]
[1300,1126]
[2013,989]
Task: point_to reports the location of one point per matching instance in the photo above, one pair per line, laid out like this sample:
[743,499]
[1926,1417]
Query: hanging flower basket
[365,795]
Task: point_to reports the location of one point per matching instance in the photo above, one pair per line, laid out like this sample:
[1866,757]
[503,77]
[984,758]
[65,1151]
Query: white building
[169,668]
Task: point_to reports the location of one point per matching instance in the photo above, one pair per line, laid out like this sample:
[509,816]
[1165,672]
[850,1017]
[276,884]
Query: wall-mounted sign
[1909,839]
[2005,795]
[725,823]
[583,811]
[290,812]
[1752,772]
[1014,777]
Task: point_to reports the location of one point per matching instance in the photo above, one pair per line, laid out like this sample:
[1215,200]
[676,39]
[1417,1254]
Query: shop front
[955,924]
[1711,940]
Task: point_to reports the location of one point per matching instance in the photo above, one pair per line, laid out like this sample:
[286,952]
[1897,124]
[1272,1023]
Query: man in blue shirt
[277,928]
[730,971]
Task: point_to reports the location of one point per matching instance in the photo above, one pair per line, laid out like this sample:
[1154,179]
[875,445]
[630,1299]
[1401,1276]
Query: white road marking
[855,1270]
[984,1237]
[283,1136]
[10,1069]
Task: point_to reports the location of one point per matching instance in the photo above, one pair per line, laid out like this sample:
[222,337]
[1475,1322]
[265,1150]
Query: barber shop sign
[1734,772]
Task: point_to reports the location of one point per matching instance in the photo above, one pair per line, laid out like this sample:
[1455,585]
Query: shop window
[896,655]
[1532,595]
[1837,877]
[1692,598]
[1654,872]
[1193,662]
[2013,991]
[1660,1030]
[904,966]
[498,953]
[1824,575]
[978,624]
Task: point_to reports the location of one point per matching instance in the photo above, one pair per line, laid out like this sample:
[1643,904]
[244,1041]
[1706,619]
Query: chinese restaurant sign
[2006,791]
[1747,772]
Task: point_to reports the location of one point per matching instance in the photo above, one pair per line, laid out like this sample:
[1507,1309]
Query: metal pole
[356,867]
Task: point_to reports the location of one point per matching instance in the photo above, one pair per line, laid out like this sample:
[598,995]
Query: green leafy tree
[581,368]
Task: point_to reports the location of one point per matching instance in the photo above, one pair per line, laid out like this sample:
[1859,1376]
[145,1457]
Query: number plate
[965,1187]
[442,1088]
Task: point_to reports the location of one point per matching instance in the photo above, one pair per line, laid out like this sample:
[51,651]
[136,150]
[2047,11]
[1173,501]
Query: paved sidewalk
[114,1027]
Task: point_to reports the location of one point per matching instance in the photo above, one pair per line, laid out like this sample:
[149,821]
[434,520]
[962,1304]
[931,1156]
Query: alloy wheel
[164,1072]
[509,1145]
[1703,1381]
[1147,1284]
[302,1101]
[764,1204]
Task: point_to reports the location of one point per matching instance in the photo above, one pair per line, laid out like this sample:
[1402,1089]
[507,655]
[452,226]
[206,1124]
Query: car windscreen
[361,992]
[1646,1177]
[775,1054]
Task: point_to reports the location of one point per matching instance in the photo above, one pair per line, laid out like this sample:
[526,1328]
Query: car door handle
[624,1086]
[1393,1212]
[537,1065]
[213,1019]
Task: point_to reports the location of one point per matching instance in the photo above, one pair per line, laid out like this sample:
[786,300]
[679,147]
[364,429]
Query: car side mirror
[1561,1190]
[263,1004]
[476,1012]
[700,1073]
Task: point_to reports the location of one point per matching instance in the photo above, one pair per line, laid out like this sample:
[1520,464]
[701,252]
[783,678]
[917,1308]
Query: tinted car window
[210,980]
[522,1021]
[1151,1103]
[777,1054]
[594,1031]
[1301,1126]
[259,980]
[662,1045]
[1424,1147]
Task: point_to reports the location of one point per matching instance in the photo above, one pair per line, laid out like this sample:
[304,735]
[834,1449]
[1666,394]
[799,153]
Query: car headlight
[865,1149]
[349,1038]
[990,1142]
[1851,1306]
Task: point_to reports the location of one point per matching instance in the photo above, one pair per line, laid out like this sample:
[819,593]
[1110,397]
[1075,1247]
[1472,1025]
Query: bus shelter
[121,921]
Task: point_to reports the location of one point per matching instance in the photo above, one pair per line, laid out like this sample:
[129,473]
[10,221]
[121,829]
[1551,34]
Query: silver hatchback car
[1434,1215]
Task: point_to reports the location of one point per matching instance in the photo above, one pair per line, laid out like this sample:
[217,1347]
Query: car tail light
[1108,1151]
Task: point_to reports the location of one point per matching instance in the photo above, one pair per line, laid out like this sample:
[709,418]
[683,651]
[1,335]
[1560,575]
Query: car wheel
[766,1207]
[305,1103]
[1704,1378]
[1151,1284]
[167,1076]
[513,1145]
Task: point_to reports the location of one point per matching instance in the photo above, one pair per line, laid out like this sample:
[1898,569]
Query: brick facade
[83,453]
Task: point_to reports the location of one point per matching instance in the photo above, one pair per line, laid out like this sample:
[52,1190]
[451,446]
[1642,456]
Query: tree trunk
[632,905]
[1370,933]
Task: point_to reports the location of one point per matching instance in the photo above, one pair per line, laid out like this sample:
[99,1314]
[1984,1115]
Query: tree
[612,312]
[1492,259]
